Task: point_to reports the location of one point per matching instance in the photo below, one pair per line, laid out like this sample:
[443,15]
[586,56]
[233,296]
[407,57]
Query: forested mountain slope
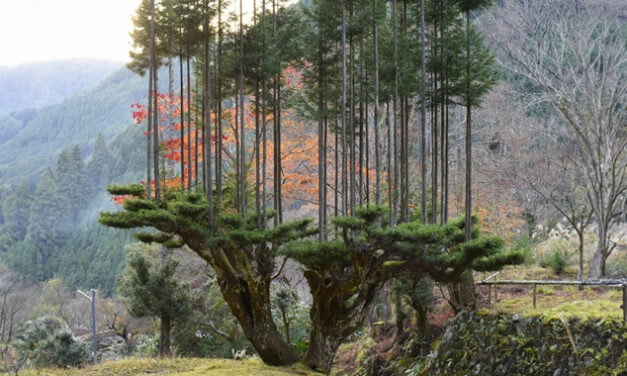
[56,164]
[50,231]
[34,85]
[31,139]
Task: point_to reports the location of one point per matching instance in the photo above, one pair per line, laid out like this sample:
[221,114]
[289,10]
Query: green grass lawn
[553,301]
[564,301]
[178,367]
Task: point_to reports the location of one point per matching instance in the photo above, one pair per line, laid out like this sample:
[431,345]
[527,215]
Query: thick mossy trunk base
[323,345]
[249,300]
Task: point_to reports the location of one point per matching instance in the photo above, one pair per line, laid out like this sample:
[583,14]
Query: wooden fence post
[625,303]
[489,294]
[602,283]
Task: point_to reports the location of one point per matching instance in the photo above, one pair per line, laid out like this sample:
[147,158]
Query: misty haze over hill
[34,85]
[32,138]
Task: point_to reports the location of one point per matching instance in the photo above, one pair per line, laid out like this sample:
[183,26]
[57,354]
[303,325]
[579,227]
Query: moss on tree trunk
[339,309]
[249,301]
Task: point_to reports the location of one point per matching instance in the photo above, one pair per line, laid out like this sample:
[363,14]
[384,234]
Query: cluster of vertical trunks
[351,147]
[353,141]
[197,134]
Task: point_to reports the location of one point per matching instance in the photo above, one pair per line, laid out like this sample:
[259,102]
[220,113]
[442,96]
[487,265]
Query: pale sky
[41,30]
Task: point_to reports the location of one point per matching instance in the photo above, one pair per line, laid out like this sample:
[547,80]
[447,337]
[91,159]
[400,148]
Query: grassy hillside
[180,367]
[35,85]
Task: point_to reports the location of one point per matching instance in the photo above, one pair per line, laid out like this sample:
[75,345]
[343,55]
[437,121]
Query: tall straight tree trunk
[434,134]
[202,138]
[170,86]
[405,166]
[443,164]
[443,128]
[264,114]
[149,135]
[238,154]
[155,107]
[325,150]
[182,83]
[445,183]
[405,120]
[468,206]
[351,119]
[390,166]
[189,122]
[170,119]
[208,173]
[337,171]
[465,294]
[238,146]
[396,202]
[257,129]
[242,125]
[279,161]
[367,139]
[361,124]
[264,156]
[377,158]
[343,106]
[196,138]
[401,193]
[423,115]
[443,152]
[219,110]
[276,131]
[401,154]
[445,125]
[322,165]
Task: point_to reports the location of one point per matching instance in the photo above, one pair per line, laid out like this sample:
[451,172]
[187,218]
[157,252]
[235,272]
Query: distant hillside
[78,251]
[31,139]
[35,85]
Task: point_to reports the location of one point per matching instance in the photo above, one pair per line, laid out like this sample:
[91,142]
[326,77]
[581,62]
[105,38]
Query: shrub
[146,346]
[63,350]
[45,342]
[617,265]
[556,261]
[523,244]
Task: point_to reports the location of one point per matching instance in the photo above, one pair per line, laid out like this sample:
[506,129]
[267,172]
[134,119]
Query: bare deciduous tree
[556,179]
[15,301]
[576,60]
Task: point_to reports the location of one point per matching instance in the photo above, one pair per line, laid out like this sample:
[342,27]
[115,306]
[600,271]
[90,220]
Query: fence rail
[617,283]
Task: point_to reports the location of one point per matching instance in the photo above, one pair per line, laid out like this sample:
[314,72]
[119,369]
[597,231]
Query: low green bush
[556,261]
[45,342]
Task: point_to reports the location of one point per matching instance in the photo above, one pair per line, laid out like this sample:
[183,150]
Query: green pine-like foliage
[150,287]
[51,232]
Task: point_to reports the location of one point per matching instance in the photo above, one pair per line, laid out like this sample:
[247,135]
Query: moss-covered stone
[486,344]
